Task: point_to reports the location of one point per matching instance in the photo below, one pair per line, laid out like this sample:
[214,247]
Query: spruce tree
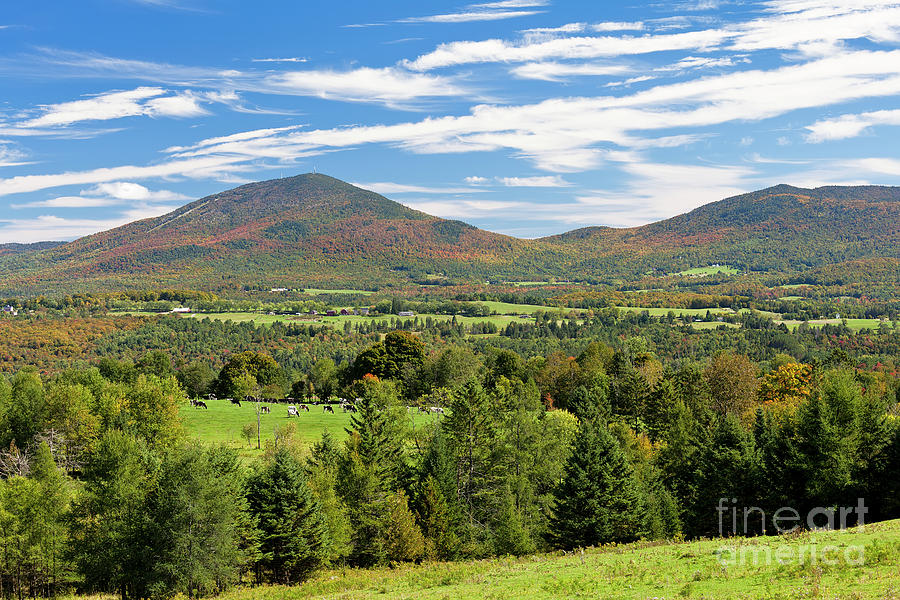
[292,531]
[599,500]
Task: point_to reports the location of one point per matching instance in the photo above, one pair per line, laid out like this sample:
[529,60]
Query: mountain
[314,230]
[283,232]
[779,229]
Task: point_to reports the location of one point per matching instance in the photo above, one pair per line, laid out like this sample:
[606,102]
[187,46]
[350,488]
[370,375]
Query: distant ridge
[32,247]
[312,228]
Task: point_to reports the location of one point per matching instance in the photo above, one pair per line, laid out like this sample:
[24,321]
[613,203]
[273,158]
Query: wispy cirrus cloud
[146,101]
[289,59]
[53,227]
[536,181]
[470,16]
[791,25]
[557,71]
[483,11]
[574,134]
[391,86]
[387,187]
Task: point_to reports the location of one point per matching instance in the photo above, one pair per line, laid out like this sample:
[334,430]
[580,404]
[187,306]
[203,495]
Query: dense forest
[552,434]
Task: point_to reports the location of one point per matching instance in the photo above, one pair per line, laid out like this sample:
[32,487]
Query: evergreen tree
[599,500]
[292,531]
[196,513]
[108,528]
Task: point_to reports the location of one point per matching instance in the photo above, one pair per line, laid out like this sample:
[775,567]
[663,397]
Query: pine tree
[377,432]
[598,500]
[292,530]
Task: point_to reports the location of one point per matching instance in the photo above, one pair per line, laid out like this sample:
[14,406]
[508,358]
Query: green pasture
[711,270]
[339,320]
[679,312]
[853,324]
[827,565]
[508,308]
[222,423]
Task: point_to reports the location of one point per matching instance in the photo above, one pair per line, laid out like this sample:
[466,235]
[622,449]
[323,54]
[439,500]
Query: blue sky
[526,117]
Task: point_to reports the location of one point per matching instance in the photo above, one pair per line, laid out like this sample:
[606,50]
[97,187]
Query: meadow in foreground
[639,570]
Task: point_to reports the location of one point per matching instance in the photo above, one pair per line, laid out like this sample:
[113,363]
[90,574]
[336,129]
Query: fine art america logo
[754,521]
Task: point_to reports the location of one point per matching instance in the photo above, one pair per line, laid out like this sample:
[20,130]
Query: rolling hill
[313,229]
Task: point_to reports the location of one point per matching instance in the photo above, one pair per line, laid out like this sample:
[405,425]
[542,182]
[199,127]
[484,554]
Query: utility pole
[257,424]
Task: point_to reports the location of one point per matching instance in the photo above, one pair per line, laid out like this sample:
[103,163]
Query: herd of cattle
[295,408]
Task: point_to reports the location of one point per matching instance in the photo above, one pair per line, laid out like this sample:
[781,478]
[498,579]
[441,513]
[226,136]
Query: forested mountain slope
[314,229]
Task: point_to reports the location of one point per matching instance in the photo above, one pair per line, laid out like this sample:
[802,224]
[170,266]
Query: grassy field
[854,324]
[866,565]
[679,312]
[507,308]
[711,270]
[222,422]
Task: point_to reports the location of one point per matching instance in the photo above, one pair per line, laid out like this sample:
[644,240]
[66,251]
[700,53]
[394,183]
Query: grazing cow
[436,410]
[211,397]
[265,409]
[193,402]
[304,407]
[292,411]
[201,404]
[235,401]
[327,408]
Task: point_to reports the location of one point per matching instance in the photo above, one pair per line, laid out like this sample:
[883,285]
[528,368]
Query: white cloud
[69,202]
[569,48]
[471,16]
[567,28]
[483,11]
[511,4]
[618,26]
[476,180]
[468,209]
[388,85]
[539,181]
[575,134]
[11,157]
[148,101]
[848,126]
[555,71]
[51,227]
[386,187]
[809,28]
[204,167]
[630,81]
[289,59]
[126,190]
[108,194]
